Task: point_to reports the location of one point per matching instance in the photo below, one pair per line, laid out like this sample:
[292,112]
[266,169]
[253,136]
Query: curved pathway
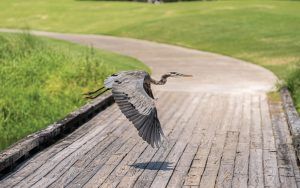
[222,130]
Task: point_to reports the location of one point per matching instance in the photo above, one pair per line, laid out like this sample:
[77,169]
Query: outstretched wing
[132,92]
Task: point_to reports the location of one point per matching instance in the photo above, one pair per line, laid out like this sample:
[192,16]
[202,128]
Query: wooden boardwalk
[215,140]
[225,140]
[222,131]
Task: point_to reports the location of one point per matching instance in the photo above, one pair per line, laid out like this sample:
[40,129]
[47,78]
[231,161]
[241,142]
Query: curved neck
[162,81]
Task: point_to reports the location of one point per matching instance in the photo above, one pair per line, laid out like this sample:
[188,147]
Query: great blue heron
[132,92]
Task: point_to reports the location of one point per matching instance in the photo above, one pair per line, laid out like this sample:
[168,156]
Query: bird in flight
[132,92]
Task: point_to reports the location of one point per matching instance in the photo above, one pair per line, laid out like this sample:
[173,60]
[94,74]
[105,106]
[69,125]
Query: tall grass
[293,84]
[42,80]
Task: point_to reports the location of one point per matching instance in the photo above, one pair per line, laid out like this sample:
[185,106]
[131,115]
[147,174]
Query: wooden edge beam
[37,141]
[293,119]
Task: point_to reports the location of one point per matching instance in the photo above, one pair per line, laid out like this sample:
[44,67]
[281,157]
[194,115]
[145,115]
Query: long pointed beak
[187,75]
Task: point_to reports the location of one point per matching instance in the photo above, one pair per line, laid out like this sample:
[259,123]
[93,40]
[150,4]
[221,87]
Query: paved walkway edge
[35,142]
[293,119]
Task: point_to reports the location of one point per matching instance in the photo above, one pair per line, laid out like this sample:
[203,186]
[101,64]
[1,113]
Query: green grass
[293,83]
[262,32]
[42,80]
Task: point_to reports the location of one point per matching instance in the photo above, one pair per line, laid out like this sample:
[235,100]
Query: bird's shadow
[165,166]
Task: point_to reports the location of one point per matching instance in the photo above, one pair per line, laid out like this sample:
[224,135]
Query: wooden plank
[76,168]
[292,117]
[115,177]
[150,150]
[256,176]
[97,163]
[236,124]
[116,158]
[204,111]
[134,172]
[111,164]
[267,131]
[66,164]
[270,168]
[294,162]
[23,149]
[38,160]
[33,176]
[118,173]
[240,177]
[204,142]
[225,174]
[282,141]
[80,164]
[82,182]
[271,176]
[183,128]
[226,171]
[85,142]
[240,181]
[209,175]
[195,157]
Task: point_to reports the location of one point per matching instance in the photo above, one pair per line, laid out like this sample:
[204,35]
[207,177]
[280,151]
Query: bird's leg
[92,92]
[93,97]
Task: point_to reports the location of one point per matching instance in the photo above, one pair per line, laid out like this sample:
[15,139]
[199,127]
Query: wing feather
[131,91]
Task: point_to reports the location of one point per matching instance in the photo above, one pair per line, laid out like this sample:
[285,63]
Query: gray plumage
[132,92]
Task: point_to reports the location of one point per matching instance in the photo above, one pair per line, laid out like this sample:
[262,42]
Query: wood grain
[214,140]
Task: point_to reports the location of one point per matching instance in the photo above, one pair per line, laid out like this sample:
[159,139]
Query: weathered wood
[211,144]
[116,158]
[116,176]
[40,159]
[146,178]
[60,163]
[225,174]
[282,141]
[226,170]
[210,173]
[256,176]
[134,172]
[270,167]
[202,136]
[85,142]
[192,162]
[240,181]
[240,177]
[97,163]
[79,165]
[32,143]
[293,119]
[190,143]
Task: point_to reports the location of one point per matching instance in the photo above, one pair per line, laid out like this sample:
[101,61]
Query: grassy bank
[262,32]
[293,83]
[42,80]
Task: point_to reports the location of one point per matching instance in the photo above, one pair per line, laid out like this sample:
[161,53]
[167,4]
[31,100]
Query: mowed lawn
[42,80]
[261,32]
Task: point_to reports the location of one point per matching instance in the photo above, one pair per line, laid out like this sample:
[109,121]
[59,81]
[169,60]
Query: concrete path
[222,130]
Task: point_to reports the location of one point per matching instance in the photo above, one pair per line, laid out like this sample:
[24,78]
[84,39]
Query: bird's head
[176,74]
